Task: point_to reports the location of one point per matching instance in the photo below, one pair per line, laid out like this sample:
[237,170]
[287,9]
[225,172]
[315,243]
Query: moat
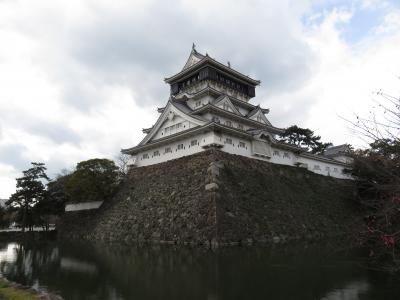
[97,271]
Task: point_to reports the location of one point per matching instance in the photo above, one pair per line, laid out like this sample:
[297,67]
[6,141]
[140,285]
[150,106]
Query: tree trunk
[24,216]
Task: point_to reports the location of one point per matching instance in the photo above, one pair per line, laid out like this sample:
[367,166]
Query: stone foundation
[215,198]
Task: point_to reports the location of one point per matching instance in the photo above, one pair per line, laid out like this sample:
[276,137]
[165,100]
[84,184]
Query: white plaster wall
[188,149]
[203,140]
[327,169]
[203,101]
[212,138]
[282,157]
[83,206]
[234,147]
[222,120]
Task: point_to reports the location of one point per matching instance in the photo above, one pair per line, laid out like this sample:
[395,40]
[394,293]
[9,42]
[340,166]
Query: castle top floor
[200,70]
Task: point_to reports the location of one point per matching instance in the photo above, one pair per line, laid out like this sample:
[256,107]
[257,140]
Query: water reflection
[94,271]
[8,253]
[352,291]
[76,265]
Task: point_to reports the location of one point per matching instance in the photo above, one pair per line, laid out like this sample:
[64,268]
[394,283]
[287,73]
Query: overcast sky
[80,79]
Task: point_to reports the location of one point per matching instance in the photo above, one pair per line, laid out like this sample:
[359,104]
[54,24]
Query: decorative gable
[171,121]
[258,115]
[265,136]
[193,59]
[225,103]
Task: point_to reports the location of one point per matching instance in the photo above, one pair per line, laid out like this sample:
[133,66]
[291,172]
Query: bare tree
[377,173]
[382,122]
[122,161]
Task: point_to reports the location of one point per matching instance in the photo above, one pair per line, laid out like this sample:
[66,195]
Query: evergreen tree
[30,191]
[93,180]
[305,138]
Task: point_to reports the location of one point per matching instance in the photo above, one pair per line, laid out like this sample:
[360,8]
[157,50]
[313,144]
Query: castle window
[240,126]
[286,155]
[170,128]
[145,156]
[327,169]
[193,143]
[156,153]
[180,146]
[317,167]
[228,141]
[276,153]
[198,103]
[242,145]
[225,106]
[168,150]
[335,170]
[179,125]
[228,123]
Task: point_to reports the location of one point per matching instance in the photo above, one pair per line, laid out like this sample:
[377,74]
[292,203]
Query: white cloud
[7,180]
[344,78]
[80,79]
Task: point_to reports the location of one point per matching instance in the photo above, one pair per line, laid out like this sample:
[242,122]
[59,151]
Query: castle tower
[209,106]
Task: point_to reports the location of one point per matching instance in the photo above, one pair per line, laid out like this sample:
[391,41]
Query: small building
[209,106]
[3,203]
[340,153]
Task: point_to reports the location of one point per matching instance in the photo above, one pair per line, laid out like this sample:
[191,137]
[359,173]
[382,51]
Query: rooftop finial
[229,64]
[194,47]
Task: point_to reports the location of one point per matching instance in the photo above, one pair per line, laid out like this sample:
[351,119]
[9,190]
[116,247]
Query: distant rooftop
[3,202]
[337,150]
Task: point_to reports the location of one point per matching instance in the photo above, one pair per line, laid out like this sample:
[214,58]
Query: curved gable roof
[226,99]
[258,111]
[193,59]
[176,108]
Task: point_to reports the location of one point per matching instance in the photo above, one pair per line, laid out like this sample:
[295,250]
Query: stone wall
[217,198]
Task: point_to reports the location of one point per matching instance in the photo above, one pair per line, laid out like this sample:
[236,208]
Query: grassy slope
[11,293]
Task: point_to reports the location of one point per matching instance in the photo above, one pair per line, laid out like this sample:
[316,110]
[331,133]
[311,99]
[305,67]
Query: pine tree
[30,191]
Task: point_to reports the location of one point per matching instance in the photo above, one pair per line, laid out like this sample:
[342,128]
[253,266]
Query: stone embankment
[215,198]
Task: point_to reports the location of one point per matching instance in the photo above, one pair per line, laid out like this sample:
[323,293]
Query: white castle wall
[324,168]
[83,206]
[188,149]
[278,156]
[197,103]
[223,120]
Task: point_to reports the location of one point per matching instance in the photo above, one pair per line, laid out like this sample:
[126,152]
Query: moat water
[95,271]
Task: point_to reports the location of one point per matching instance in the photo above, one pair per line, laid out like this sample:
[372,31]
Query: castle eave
[211,91]
[324,159]
[211,62]
[222,112]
